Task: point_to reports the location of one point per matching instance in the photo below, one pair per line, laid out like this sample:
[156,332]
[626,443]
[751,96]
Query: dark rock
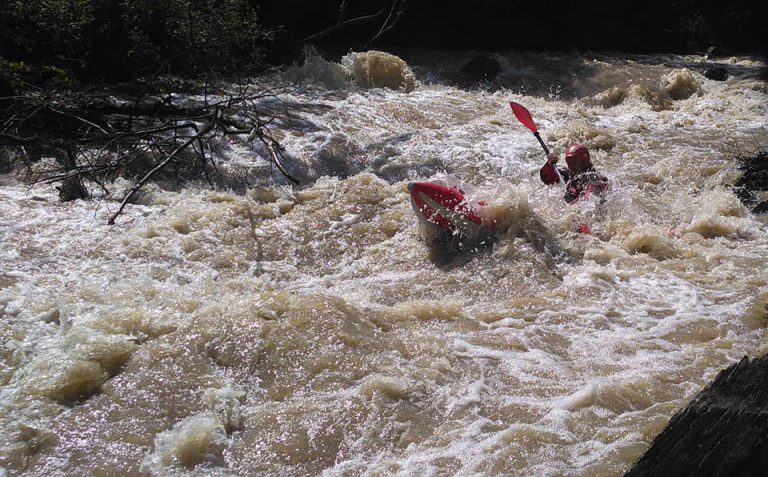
[481,68]
[754,177]
[722,432]
[761,208]
[717,74]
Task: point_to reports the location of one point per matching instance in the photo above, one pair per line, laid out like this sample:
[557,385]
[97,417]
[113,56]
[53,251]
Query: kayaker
[581,178]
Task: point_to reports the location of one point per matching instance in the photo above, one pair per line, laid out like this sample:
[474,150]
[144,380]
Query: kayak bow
[446,208]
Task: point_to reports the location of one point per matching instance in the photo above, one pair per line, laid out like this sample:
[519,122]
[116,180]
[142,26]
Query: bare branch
[98,138]
[387,25]
[158,167]
[338,26]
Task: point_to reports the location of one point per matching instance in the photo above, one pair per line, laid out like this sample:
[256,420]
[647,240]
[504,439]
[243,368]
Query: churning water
[311,331]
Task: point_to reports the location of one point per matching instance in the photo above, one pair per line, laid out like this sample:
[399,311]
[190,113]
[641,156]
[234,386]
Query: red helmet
[577,158]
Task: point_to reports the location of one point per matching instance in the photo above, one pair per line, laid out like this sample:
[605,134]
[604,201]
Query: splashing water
[307,332]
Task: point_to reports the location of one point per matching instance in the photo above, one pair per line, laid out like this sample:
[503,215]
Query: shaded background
[684,26]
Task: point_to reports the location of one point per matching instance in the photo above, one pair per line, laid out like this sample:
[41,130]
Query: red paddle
[524,116]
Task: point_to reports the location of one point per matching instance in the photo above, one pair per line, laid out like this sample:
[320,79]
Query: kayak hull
[445,208]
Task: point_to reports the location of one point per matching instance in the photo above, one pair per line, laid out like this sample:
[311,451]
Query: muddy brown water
[310,331]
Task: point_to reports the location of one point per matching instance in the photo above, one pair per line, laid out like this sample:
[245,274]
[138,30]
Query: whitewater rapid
[311,331]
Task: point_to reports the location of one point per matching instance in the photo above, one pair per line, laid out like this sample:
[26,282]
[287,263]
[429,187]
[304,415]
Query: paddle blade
[523,116]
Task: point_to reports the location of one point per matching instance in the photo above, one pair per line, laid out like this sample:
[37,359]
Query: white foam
[321,307]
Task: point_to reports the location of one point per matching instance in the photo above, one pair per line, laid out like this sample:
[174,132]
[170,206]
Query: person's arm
[599,185]
[548,174]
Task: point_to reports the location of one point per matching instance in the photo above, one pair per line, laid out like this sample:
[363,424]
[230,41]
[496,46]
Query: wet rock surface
[721,432]
[716,74]
[752,186]
[481,68]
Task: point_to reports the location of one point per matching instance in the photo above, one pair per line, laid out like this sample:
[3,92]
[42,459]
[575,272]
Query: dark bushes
[118,40]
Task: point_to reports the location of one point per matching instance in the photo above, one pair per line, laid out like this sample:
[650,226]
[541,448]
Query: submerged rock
[366,70]
[723,431]
[717,74]
[481,68]
[681,85]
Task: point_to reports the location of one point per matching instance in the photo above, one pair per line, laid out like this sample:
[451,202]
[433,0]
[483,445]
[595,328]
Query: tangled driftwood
[98,137]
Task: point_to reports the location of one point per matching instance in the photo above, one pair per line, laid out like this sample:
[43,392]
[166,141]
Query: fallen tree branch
[99,138]
[157,168]
[277,151]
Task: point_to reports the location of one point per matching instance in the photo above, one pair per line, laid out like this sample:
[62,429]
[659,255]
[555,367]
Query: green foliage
[195,34]
[116,40]
[41,27]
[16,75]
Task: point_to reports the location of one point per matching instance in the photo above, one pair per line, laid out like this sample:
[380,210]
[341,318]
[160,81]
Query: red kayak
[446,208]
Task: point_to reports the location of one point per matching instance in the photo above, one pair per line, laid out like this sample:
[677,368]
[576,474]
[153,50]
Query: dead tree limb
[395,7]
[98,138]
[338,26]
[157,168]
[276,151]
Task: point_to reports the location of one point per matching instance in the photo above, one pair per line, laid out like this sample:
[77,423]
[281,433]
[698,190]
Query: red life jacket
[584,184]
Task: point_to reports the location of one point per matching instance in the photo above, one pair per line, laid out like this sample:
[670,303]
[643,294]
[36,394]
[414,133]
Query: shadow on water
[530,73]
[286,114]
[748,71]
[389,163]
[449,252]
[340,157]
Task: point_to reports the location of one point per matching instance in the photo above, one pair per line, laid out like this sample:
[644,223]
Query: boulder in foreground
[722,432]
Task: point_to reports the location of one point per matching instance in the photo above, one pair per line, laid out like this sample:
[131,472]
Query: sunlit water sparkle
[309,332]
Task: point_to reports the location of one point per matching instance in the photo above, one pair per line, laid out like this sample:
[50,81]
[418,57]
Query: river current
[272,330]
